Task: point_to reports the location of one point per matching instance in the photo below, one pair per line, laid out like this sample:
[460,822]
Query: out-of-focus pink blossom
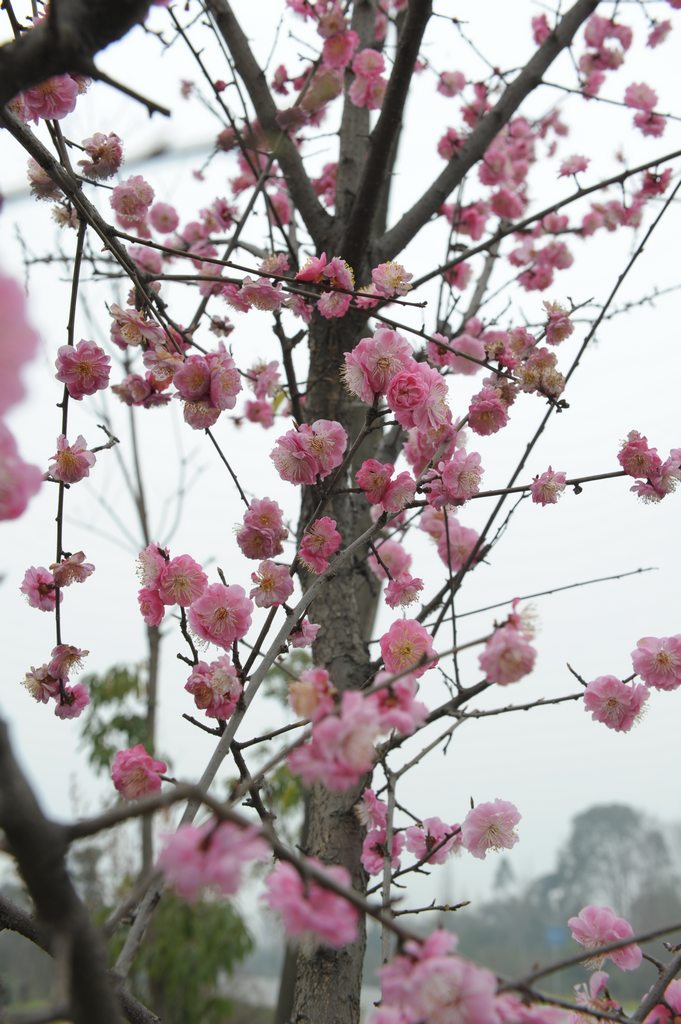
[433,840]
[312,694]
[308,909]
[341,749]
[18,341]
[136,773]
[507,656]
[598,926]
[374,850]
[210,856]
[19,481]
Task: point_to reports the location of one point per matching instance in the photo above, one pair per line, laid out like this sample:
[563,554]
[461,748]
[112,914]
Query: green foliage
[115,718]
[186,950]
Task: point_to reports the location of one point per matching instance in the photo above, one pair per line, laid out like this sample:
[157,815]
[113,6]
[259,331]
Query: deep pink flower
[613,703]
[374,850]
[637,458]
[657,660]
[373,477]
[408,645]
[104,156]
[490,826]
[507,656]
[64,659]
[307,908]
[131,201]
[403,590]
[559,326]
[263,531]
[18,341]
[151,606]
[487,412]
[209,856]
[450,83]
[72,701]
[320,542]
[547,488]
[181,581]
[433,835]
[40,589]
[71,462]
[83,368]
[150,564]
[136,773]
[221,615]
[273,584]
[215,687]
[598,926]
[19,481]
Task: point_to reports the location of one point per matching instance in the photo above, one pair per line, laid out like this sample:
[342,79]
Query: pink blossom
[394,559]
[182,581]
[490,826]
[136,773]
[150,564]
[40,589]
[263,531]
[273,584]
[636,457]
[541,29]
[215,687]
[341,748]
[487,412]
[221,615]
[640,96]
[558,326]
[312,694]
[320,542]
[72,701]
[373,477]
[18,341]
[368,63]
[391,279]
[19,481]
[83,368]
[650,124]
[325,441]
[659,33]
[408,645]
[615,704]
[71,462]
[372,364]
[599,926]
[303,634]
[507,656]
[261,294]
[131,201]
[41,685]
[461,477]
[209,856]
[374,850]
[573,165]
[259,412]
[52,99]
[433,840]
[151,606]
[547,488]
[667,1011]
[309,909]
[164,218]
[72,569]
[293,459]
[450,83]
[339,48]
[104,156]
[397,706]
[403,590]
[368,92]
[657,660]
[454,356]
[65,658]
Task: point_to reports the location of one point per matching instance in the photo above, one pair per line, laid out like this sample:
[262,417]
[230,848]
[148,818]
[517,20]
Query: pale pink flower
[209,856]
[341,749]
[598,926]
[64,659]
[594,997]
[397,706]
[371,811]
[261,294]
[308,909]
[640,96]
[40,589]
[403,590]
[547,488]
[150,564]
[71,462]
[466,344]
[372,364]
[507,656]
[320,542]
[490,826]
[325,441]
[450,83]
[391,279]
[104,156]
[394,559]
[312,694]
[408,646]
[263,531]
[215,687]
[164,218]
[615,704]
[273,584]
[221,615]
[433,840]
[313,269]
[18,341]
[136,773]
[374,850]
[72,701]
[667,1012]
[573,165]
[131,201]
[657,660]
[41,685]
[368,63]
[72,569]
[52,99]
[19,481]
[181,581]
[260,412]
[83,368]
[559,326]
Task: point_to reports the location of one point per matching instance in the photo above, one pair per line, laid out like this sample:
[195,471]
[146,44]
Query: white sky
[552,762]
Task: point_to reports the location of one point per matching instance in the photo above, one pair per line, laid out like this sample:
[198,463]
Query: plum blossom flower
[615,704]
[372,364]
[221,615]
[72,701]
[40,589]
[391,279]
[397,706]
[71,462]
[83,368]
[151,606]
[262,532]
[307,908]
[507,656]
[490,826]
[41,684]
[408,645]
[52,99]
[131,201]
[215,687]
[273,584]
[433,840]
[312,694]
[303,634]
[181,581]
[104,155]
[547,488]
[341,748]
[573,165]
[403,590]
[667,1011]
[374,850]
[65,658]
[19,481]
[71,569]
[136,773]
[320,543]
[210,856]
[598,926]
[657,660]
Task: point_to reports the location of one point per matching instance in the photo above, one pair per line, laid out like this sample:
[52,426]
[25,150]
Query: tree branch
[394,240]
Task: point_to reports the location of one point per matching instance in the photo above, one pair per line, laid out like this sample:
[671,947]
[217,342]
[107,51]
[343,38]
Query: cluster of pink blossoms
[307,908]
[136,773]
[262,532]
[40,586]
[312,450]
[210,856]
[654,478]
[385,493]
[215,687]
[598,926]
[455,542]
[335,275]
[51,682]
[320,542]
[207,385]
